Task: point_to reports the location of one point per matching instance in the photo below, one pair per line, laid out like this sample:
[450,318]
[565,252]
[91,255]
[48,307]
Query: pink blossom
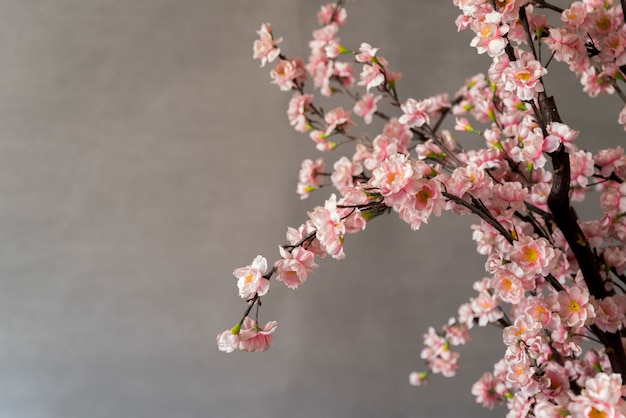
[344,172]
[366,53]
[610,159]
[520,369]
[575,15]
[265,48]
[302,236]
[330,227]
[508,287]
[227,341]
[485,391]
[523,76]
[391,177]
[415,113]
[512,194]
[595,84]
[366,107]
[383,148]
[255,339]
[581,163]
[353,218]
[371,76]
[490,35]
[331,13]
[310,177]
[567,46]
[575,308]
[559,133]
[298,106]
[524,328]
[322,37]
[250,278]
[486,308]
[288,73]
[554,381]
[399,133]
[457,333]
[534,256]
[337,118]
[418,378]
[423,198]
[601,397]
[609,315]
[294,267]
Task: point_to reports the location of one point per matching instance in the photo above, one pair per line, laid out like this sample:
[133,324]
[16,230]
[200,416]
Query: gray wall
[144,156]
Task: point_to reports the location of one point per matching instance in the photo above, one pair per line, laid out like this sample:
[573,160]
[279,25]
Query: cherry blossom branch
[567,220]
[482,212]
[545,5]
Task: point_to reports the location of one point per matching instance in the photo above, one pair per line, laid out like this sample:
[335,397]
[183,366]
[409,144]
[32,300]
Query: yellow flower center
[423,196]
[485,30]
[604,23]
[523,76]
[531,254]
[596,414]
[248,278]
[574,306]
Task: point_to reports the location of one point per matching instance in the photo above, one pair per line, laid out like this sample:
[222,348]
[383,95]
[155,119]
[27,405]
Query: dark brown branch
[566,219]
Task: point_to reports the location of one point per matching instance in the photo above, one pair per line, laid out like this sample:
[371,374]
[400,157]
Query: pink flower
[418,378]
[508,287]
[337,118]
[344,172]
[366,53]
[366,107]
[250,278]
[330,228]
[294,266]
[371,76]
[254,339]
[330,13]
[391,177]
[310,177]
[227,341]
[423,197]
[490,35]
[415,113]
[524,328]
[485,391]
[575,308]
[610,159]
[523,76]
[533,256]
[559,133]
[288,73]
[298,106]
[265,48]
[567,46]
[600,398]
[486,308]
[596,83]
[609,315]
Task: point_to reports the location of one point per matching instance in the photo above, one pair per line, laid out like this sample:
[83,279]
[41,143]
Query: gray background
[144,156]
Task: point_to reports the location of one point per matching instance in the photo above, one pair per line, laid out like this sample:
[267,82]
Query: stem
[482,213]
[545,5]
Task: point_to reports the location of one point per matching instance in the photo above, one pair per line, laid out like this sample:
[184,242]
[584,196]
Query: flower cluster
[552,282]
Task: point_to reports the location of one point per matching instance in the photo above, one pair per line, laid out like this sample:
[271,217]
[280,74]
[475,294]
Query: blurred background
[144,156]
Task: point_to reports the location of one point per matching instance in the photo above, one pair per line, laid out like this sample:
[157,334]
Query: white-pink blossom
[250,278]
